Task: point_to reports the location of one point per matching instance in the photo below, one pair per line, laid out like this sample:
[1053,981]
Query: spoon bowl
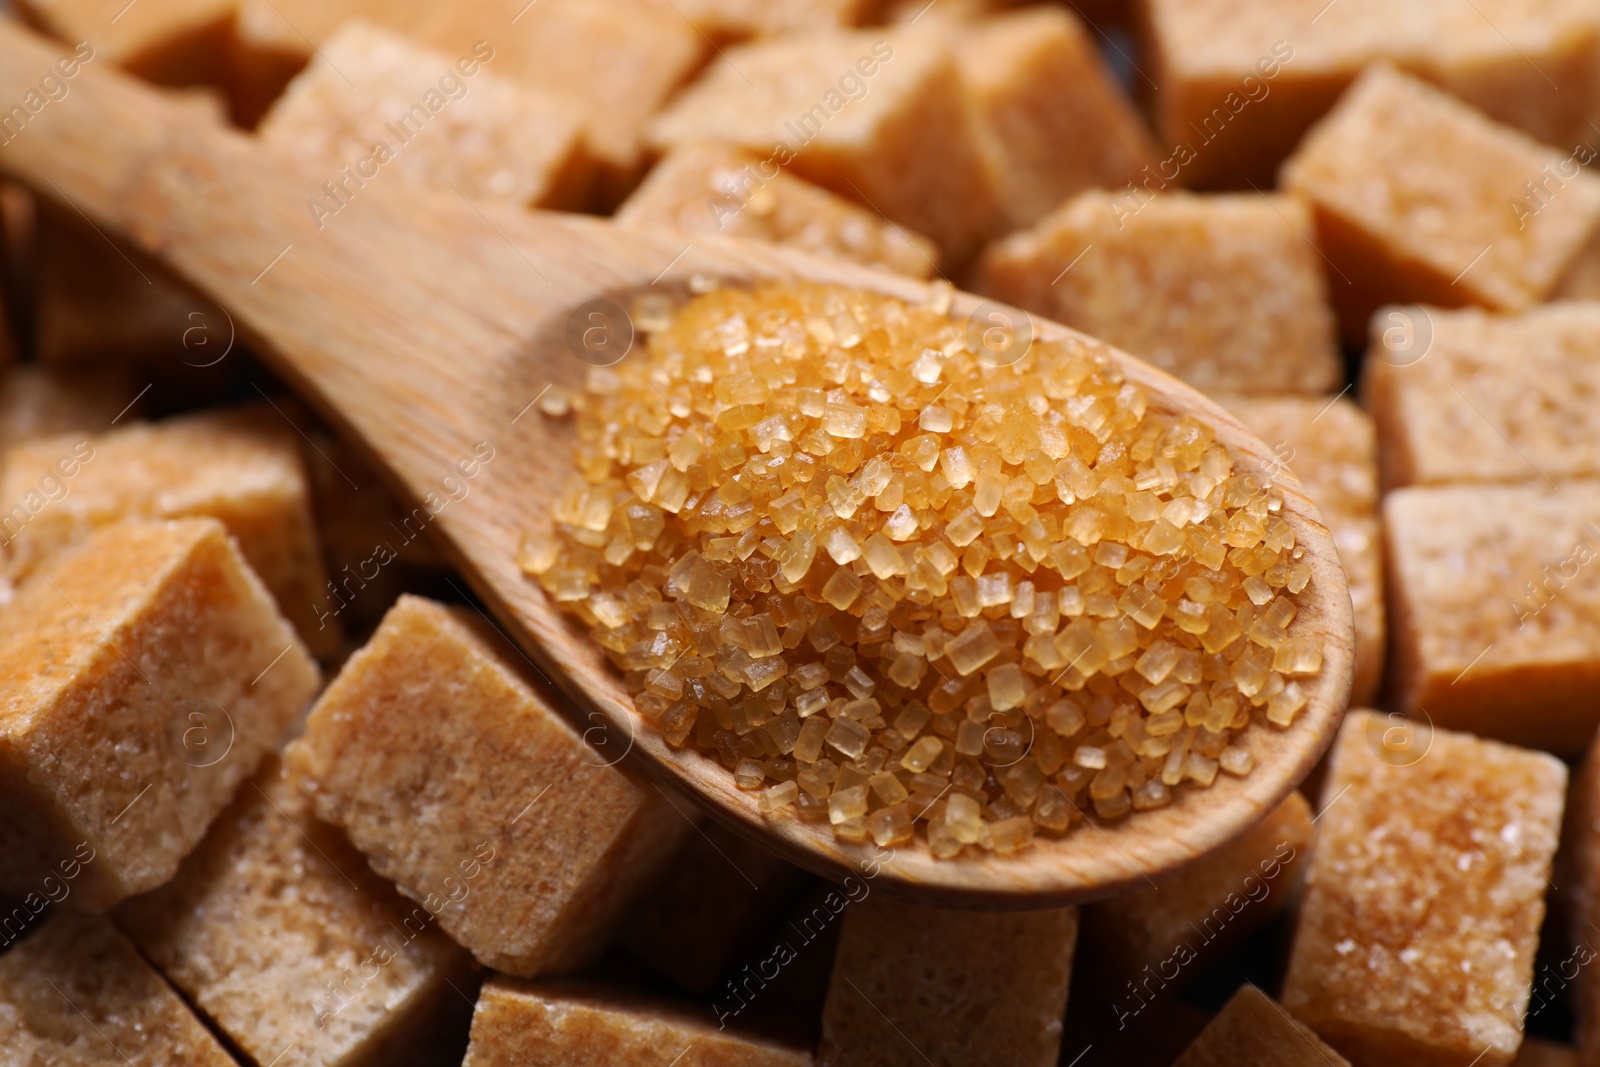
[426,327]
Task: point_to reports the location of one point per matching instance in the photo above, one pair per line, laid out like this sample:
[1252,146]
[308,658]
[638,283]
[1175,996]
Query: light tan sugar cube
[1332,449]
[1420,198]
[1225,292]
[1491,398]
[582,1025]
[176,42]
[1238,84]
[1053,120]
[129,663]
[914,984]
[877,116]
[274,39]
[76,993]
[1494,608]
[558,842]
[373,101]
[239,466]
[722,189]
[276,929]
[1424,895]
[696,919]
[1157,931]
[1254,1029]
[621,60]
[1544,1054]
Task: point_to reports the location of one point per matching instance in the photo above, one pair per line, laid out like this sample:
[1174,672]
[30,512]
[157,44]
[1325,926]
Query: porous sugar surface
[903,588]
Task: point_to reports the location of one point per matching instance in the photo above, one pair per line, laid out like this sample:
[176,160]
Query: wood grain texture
[424,331]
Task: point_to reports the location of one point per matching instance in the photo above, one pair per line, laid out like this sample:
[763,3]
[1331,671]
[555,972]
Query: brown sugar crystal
[1254,1029]
[581,1025]
[914,985]
[1224,292]
[1155,934]
[1425,894]
[876,116]
[933,590]
[737,20]
[147,672]
[76,993]
[1470,396]
[275,929]
[1052,118]
[722,189]
[1332,448]
[38,403]
[374,101]
[1237,85]
[497,818]
[1580,848]
[1493,606]
[1420,198]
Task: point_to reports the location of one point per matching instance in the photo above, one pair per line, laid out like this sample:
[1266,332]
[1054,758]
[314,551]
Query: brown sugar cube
[1225,292]
[1237,84]
[720,891]
[1545,1054]
[130,662]
[1332,449]
[876,116]
[558,843]
[1157,931]
[1254,1029]
[722,189]
[1491,398]
[374,101]
[1494,609]
[276,929]
[76,993]
[917,985]
[1424,895]
[175,42]
[581,1025]
[1053,119]
[239,466]
[620,60]
[1582,280]
[1421,199]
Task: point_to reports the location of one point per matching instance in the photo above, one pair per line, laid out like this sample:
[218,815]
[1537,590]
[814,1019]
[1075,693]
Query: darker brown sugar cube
[1425,894]
[914,984]
[518,1023]
[277,930]
[1254,1029]
[145,674]
[76,993]
[497,817]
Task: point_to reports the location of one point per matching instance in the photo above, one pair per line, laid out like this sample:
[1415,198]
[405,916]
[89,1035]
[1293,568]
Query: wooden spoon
[426,327]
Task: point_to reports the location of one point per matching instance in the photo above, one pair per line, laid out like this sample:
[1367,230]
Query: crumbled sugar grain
[890,585]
